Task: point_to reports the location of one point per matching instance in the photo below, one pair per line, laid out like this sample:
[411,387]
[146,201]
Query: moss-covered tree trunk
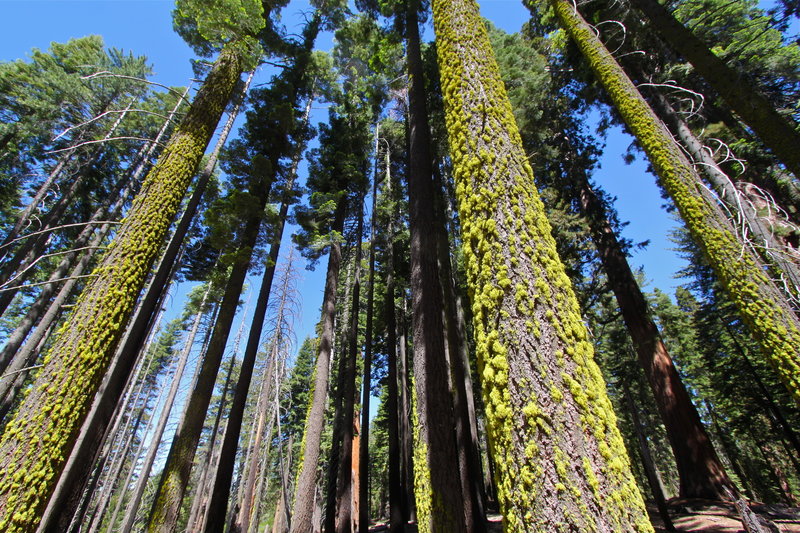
[37,441]
[559,457]
[762,307]
[777,132]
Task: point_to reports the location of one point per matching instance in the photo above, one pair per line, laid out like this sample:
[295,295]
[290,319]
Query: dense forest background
[353,273]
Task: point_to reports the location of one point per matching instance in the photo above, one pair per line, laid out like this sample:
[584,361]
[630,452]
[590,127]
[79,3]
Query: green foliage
[207,25]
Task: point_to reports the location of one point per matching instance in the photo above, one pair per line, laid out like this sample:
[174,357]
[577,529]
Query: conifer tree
[778,132]
[38,439]
[558,454]
[760,304]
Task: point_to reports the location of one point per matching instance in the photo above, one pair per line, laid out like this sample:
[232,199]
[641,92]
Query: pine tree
[762,307]
[37,440]
[558,454]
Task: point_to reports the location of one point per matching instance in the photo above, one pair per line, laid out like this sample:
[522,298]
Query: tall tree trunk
[201,491]
[303,511]
[221,487]
[761,306]
[406,436]
[63,502]
[344,485]
[782,259]
[778,132]
[464,403]
[254,450]
[558,453]
[37,441]
[135,457]
[363,449]
[113,474]
[26,357]
[647,461]
[440,503]
[105,447]
[398,508]
[701,473]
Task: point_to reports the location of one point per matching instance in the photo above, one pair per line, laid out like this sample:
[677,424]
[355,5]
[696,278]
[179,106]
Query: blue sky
[144,27]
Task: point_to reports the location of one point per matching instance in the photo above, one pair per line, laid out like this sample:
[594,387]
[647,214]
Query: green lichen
[38,439]
[760,304]
[527,323]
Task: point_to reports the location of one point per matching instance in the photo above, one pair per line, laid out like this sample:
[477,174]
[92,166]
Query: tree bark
[762,307]
[440,502]
[37,441]
[700,470]
[398,508]
[63,502]
[303,511]
[147,463]
[558,452]
[220,491]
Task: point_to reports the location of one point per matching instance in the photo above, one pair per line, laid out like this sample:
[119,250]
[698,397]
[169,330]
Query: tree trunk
[338,509]
[558,453]
[37,441]
[303,511]
[647,461]
[783,260]
[700,471]
[112,476]
[221,487]
[464,403]
[777,131]
[440,503]
[762,307]
[406,436]
[363,449]
[201,492]
[155,440]
[63,502]
[398,508]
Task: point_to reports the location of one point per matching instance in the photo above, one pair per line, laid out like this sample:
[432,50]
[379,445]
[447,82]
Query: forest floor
[706,516]
[697,516]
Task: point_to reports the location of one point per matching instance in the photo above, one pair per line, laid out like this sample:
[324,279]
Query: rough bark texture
[65,500]
[764,228]
[463,401]
[762,307]
[560,459]
[775,130]
[37,441]
[303,511]
[398,509]
[440,503]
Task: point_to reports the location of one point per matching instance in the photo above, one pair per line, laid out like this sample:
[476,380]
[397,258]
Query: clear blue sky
[144,27]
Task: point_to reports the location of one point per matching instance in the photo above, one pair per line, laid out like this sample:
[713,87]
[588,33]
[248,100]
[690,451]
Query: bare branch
[107,74]
[101,115]
[60,227]
[47,282]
